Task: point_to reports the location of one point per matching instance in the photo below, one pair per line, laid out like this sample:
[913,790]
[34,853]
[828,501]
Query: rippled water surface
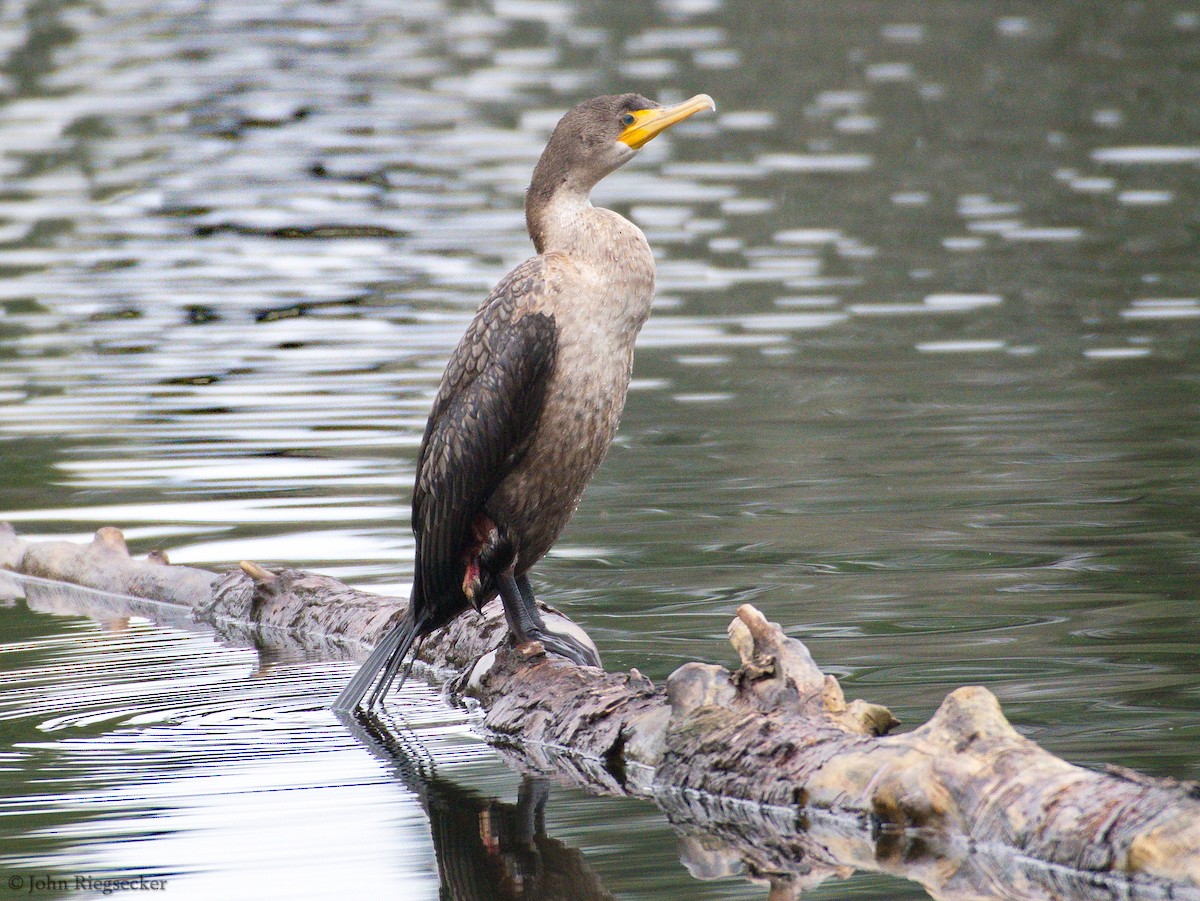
[922,382]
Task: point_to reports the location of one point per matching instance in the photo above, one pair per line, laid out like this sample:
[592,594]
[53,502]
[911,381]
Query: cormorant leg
[527,598]
[588,654]
[526,623]
[520,624]
[531,807]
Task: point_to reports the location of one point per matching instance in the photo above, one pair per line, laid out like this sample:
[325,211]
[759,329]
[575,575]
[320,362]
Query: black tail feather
[389,673]
[388,656]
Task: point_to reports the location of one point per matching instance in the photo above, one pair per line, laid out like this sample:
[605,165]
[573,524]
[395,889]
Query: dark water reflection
[921,382]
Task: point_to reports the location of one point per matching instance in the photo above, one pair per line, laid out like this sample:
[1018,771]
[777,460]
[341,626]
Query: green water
[922,383]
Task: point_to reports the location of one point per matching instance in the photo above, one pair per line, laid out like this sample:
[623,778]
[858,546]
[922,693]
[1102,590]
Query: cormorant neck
[559,193]
[554,218]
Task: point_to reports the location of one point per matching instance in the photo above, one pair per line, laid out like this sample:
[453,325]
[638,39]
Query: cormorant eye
[628,119]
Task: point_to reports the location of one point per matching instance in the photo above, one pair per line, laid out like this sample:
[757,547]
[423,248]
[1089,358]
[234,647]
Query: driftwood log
[766,770]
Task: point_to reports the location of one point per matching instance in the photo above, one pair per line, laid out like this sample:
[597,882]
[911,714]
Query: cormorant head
[602,134]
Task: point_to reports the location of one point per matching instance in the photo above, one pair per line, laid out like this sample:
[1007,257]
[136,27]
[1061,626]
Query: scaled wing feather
[484,414]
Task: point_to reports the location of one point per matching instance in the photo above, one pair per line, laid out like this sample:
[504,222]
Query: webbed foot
[525,622]
[565,646]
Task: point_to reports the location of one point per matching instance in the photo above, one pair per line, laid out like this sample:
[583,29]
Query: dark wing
[516,289]
[486,410]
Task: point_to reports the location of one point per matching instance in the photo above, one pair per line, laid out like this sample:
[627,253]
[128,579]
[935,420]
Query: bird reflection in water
[487,849]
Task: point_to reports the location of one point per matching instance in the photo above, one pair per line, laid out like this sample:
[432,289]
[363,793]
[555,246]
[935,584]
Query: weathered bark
[964,804]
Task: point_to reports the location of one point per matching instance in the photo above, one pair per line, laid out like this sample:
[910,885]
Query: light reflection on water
[147,751]
[920,380]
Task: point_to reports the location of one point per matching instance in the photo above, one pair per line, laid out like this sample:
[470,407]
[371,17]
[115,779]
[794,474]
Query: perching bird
[532,395]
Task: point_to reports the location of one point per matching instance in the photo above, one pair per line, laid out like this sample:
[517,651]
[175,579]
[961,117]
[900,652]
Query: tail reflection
[487,850]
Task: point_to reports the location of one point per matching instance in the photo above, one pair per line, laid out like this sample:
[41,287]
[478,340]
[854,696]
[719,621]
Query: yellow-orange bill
[650,122]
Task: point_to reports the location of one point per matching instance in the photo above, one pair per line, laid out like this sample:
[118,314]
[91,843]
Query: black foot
[526,624]
[565,646]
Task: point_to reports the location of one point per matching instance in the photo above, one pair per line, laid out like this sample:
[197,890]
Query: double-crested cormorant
[531,397]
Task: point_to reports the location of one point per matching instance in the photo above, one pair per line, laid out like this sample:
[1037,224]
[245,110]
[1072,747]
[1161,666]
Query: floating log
[964,804]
